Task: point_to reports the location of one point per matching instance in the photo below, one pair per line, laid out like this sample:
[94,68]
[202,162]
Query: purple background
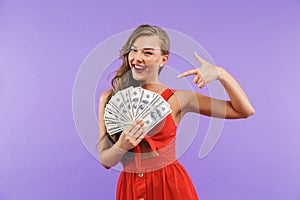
[42,45]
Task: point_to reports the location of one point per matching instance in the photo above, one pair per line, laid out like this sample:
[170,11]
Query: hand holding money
[132,135]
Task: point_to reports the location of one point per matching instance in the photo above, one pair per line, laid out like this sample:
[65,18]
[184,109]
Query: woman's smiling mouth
[139,68]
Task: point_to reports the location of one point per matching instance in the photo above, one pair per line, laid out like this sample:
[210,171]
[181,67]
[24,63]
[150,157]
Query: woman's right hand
[132,135]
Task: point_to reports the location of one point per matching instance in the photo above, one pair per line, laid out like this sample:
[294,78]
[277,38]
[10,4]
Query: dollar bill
[134,96]
[156,115]
[112,113]
[118,103]
[127,101]
[147,97]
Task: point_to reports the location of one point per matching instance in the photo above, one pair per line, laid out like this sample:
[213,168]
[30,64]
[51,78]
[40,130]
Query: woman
[151,170]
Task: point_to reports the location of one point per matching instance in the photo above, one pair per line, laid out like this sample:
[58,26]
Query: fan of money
[134,103]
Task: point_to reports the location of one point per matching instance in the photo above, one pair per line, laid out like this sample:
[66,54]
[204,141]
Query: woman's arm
[110,154]
[239,105]
[239,101]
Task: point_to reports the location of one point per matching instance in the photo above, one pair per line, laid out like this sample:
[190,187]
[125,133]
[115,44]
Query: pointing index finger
[187,73]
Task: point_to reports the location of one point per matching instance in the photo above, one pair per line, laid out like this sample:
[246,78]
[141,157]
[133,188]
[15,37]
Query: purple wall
[43,44]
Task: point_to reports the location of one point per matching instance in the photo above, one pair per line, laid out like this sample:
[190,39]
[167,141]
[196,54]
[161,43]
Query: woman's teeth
[139,67]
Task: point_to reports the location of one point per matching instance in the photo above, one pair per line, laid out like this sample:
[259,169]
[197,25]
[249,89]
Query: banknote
[112,112]
[155,115]
[147,97]
[134,96]
[118,103]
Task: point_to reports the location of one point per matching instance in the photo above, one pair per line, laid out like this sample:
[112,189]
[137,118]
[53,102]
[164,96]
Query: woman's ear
[164,60]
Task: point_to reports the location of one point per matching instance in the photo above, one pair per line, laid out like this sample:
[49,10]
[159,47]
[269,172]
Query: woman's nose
[138,56]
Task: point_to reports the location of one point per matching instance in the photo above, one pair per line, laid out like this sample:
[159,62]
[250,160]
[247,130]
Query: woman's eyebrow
[149,48]
[146,48]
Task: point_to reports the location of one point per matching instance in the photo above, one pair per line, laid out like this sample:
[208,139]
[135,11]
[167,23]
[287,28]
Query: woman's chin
[138,78]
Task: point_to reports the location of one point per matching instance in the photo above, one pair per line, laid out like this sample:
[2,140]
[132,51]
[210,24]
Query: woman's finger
[138,130]
[199,80]
[141,136]
[201,84]
[187,73]
[196,79]
[130,129]
[201,60]
[136,126]
[135,130]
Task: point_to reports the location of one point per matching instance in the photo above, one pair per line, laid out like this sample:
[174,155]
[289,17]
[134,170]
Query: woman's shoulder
[105,95]
[186,95]
[183,93]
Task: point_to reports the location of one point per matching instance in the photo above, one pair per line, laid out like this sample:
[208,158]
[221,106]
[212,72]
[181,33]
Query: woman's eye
[133,50]
[148,53]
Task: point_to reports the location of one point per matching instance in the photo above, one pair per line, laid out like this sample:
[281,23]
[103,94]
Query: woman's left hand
[204,74]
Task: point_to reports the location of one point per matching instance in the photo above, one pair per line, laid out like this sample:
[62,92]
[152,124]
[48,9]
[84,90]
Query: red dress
[159,177]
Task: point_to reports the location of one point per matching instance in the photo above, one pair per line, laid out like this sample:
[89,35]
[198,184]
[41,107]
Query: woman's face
[145,58]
